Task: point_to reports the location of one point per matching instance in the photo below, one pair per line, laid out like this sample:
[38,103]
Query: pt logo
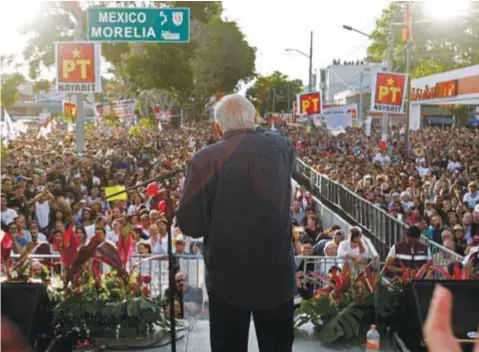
[310,103]
[76,65]
[390,90]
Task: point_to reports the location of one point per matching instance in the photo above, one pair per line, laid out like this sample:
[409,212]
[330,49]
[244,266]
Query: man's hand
[438,328]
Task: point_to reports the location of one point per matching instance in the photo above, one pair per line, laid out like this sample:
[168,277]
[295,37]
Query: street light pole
[310,58]
[349,28]
[311,63]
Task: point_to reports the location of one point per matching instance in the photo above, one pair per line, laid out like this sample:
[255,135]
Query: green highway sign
[165,25]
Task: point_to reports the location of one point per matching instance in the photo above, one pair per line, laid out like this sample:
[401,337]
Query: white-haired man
[237,196]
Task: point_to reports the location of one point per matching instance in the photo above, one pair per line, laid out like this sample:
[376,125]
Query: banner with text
[309,104]
[123,109]
[340,115]
[78,67]
[388,92]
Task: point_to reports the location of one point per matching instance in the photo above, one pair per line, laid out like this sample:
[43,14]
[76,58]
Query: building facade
[350,78]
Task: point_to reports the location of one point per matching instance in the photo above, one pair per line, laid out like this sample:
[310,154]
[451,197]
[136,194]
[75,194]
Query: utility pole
[311,62]
[274,100]
[80,133]
[408,85]
[361,116]
[385,122]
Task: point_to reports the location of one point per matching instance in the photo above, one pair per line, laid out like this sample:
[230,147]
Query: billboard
[70,109]
[309,104]
[78,67]
[388,92]
[340,115]
[123,109]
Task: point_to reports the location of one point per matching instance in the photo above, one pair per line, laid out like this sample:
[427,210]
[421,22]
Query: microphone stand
[170,213]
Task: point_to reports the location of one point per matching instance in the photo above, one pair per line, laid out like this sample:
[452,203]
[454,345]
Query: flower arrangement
[341,308]
[89,306]
[349,300]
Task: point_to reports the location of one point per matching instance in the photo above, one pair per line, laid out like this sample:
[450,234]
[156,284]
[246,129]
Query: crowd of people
[434,186]
[47,188]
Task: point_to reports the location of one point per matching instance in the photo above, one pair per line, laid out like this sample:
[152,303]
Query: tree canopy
[10,93]
[274,93]
[215,61]
[438,45]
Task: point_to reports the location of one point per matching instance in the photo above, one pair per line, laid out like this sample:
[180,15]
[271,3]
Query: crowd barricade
[386,229]
[156,266]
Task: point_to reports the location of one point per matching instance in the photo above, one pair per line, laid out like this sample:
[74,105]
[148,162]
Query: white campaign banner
[340,115]
[123,109]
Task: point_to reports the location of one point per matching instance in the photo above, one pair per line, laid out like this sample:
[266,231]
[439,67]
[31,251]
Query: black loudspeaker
[414,306]
[175,121]
[28,307]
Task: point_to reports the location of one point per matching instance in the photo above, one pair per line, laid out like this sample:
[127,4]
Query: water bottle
[372,339]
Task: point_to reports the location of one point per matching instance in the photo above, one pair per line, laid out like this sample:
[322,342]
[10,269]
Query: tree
[215,60]
[274,93]
[438,46]
[10,92]
[42,85]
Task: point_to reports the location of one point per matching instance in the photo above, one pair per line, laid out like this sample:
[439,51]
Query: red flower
[146,279]
[145,291]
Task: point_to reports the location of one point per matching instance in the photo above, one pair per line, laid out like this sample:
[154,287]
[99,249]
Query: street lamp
[310,57]
[349,28]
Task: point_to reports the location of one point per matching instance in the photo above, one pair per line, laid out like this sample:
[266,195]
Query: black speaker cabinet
[414,306]
[27,306]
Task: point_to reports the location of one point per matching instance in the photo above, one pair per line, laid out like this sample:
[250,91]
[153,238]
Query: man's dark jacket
[237,196]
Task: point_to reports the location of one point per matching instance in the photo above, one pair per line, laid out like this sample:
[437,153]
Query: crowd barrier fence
[386,229]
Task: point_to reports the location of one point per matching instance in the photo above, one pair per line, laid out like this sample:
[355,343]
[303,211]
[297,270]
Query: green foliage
[278,86]
[342,313]
[438,45]
[216,60]
[10,93]
[99,308]
[42,85]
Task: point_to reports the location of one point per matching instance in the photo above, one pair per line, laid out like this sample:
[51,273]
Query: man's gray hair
[235,112]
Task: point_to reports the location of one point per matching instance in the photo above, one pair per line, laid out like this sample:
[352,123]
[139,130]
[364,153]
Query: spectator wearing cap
[180,245]
[408,253]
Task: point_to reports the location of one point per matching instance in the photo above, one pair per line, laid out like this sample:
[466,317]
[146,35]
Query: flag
[406,31]
[113,190]
[125,245]
[70,245]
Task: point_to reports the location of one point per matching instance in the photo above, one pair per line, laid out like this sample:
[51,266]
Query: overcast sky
[270,26]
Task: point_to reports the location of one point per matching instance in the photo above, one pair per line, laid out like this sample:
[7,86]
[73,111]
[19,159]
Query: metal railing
[386,229]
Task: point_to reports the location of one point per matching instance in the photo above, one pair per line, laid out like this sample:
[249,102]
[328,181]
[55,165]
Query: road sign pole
[80,131]
[385,123]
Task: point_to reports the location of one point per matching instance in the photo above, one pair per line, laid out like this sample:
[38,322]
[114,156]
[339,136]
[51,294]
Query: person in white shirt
[472,197]
[382,158]
[7,214]
[114,235]
[353,249]
[159,244]
[37,236]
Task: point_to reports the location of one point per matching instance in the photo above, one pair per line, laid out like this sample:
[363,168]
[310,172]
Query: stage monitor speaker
[414,308]
[28,307]
[175,121]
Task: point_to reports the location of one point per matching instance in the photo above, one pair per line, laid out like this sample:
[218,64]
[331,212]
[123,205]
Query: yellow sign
[113,190]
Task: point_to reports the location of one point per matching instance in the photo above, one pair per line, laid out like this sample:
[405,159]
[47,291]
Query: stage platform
[197,340]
